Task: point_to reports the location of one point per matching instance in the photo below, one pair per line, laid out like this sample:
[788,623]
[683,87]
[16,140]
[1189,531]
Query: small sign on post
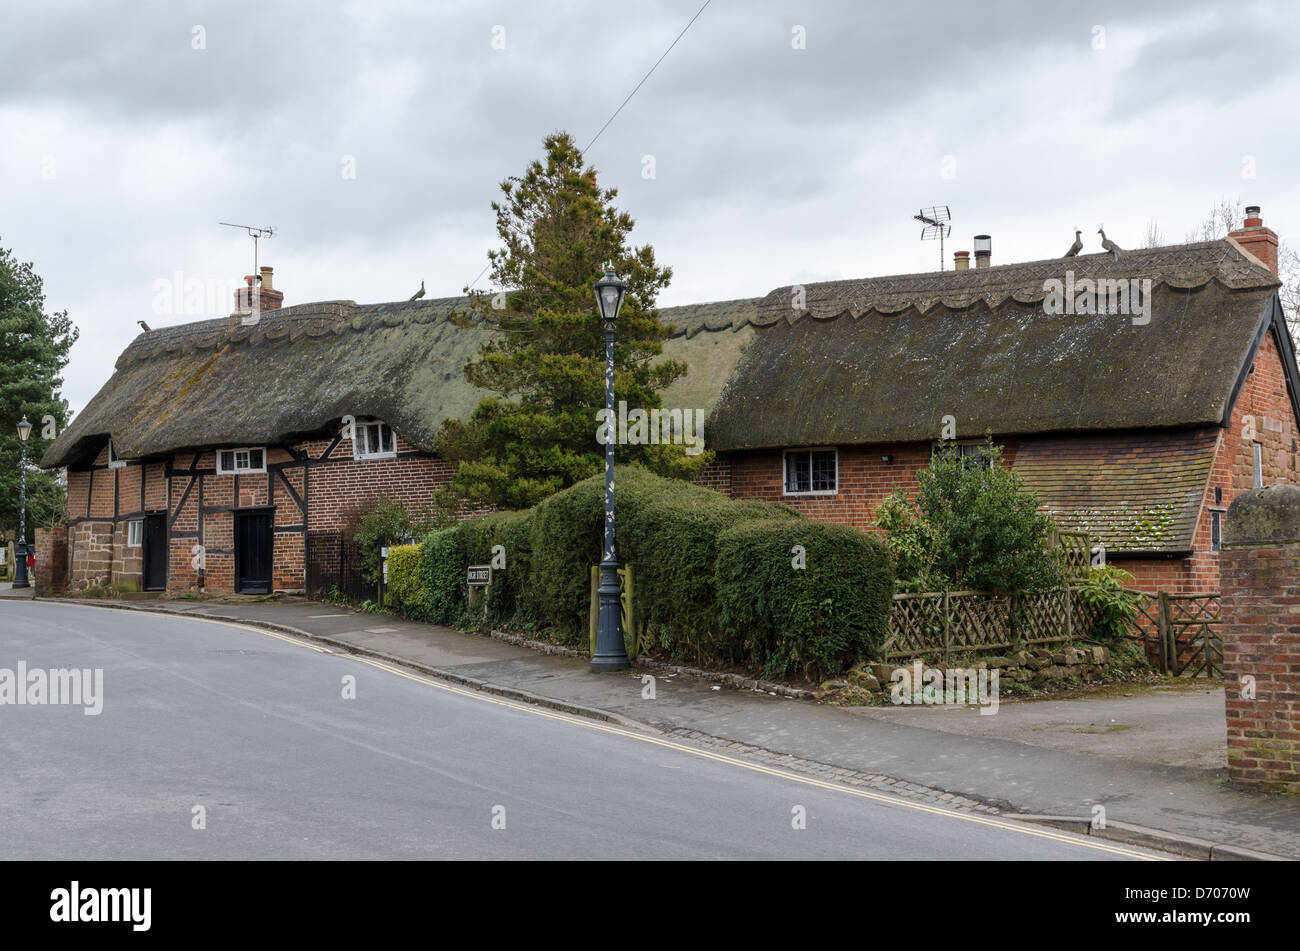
[478,577]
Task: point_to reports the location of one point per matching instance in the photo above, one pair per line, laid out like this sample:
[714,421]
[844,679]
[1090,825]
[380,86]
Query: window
[113,461]
[134,533]
[811,472]
[374,440]
[1216,531]
[1259,464]
[241,460]
[970,453]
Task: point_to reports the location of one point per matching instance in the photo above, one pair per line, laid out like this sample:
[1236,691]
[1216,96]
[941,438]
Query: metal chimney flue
[983,250]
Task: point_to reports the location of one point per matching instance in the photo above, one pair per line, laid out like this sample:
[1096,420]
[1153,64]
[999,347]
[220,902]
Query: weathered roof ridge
[326,318]
[1181,267]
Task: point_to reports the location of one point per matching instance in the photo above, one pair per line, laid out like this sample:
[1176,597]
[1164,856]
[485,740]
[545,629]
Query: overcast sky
[123,144]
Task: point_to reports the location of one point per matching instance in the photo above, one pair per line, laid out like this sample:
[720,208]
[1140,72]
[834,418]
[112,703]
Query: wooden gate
[1181,633]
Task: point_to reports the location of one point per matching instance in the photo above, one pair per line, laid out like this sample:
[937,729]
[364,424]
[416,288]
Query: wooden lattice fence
[941,623]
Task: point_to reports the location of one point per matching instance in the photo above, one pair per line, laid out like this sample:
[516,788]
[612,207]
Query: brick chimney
[1255,238]
[268,298]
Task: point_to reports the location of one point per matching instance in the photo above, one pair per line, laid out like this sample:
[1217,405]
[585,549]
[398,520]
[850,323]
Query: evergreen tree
[545,363]
[34,349]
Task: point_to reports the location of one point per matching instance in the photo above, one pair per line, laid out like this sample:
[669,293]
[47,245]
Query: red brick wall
[51,575]
[1261,656]
[865,480]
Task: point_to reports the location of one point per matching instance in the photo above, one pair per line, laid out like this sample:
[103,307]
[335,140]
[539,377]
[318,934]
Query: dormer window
[238,461]
[373,439]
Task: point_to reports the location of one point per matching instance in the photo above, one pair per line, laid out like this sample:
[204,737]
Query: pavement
[7,590]
[1148,760]
[224,741]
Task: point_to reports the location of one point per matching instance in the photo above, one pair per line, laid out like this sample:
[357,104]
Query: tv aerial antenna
[935,219]
[257,234]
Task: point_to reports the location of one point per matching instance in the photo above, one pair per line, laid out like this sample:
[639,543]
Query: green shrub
[672,534]
[666,529]
[820,619]
[1114,607]
[404,578]
[973,525]
[442,577]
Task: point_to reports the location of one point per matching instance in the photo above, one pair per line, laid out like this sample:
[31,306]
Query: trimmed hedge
[820,619]
[442,576]
[404,576]
[714,580]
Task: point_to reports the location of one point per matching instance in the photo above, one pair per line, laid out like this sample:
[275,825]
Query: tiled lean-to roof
[1141,493]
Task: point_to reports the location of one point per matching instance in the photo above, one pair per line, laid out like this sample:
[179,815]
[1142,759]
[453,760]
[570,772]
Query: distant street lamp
[610,653]
[20,570]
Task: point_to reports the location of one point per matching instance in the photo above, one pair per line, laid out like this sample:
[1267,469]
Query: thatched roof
[300,369]
[878,360]
[885,359]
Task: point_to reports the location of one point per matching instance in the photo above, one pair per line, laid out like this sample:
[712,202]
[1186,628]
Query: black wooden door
[155,552]
[253,552]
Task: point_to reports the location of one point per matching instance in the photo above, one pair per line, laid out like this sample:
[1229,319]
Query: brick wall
[51,575]
[1260,566]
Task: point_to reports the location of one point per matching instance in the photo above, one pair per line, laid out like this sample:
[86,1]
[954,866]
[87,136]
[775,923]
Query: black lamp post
[20,550]
[610,653]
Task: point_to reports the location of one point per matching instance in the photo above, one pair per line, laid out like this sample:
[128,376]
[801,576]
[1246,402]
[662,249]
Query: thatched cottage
[227,440]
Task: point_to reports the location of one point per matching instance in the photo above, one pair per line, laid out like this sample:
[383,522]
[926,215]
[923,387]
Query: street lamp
[610,653]
[20,550]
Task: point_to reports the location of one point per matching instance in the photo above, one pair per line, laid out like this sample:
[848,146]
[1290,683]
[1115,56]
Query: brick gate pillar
[1259,568]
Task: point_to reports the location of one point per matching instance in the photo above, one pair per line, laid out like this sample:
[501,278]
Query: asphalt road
[255,729]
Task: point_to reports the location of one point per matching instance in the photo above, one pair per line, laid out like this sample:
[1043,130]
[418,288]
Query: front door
[253,552]
[155,551]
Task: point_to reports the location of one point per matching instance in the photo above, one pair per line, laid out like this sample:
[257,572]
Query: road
[255,729]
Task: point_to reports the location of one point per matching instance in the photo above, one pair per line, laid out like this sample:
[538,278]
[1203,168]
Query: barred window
[811,472]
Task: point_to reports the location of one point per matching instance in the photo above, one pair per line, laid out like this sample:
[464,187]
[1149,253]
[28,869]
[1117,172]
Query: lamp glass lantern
[610,291]
[24,429]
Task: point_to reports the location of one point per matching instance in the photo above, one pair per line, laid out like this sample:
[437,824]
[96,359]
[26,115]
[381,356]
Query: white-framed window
[811,472]
[113,461]
[1216,529]
[1259,465]
[246,459]
[135,533]
[373,439]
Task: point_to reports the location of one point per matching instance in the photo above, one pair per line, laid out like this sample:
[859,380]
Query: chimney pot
[266,296]
[983,250]
[961,260]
